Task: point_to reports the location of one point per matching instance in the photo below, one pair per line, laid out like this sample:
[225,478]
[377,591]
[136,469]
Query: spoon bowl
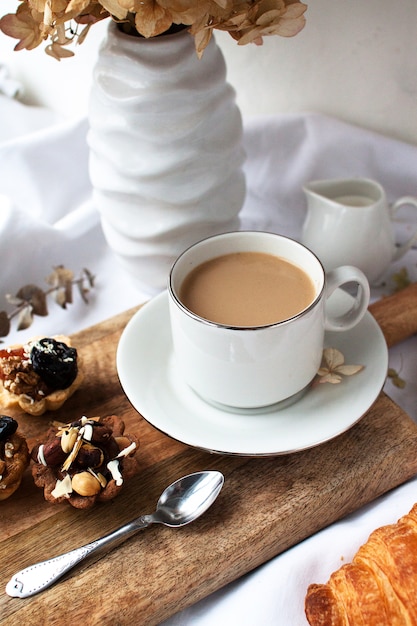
[180,503]
[187,498]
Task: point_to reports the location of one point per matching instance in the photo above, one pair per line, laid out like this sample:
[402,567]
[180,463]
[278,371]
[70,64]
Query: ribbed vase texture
[166,150]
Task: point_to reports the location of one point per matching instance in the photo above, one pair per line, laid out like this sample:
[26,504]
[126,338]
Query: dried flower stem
[31,300]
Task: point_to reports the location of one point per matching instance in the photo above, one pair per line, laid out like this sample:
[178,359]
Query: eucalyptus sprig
[31,300]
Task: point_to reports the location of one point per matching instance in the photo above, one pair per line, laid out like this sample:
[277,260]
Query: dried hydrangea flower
[247,21]
[333,367]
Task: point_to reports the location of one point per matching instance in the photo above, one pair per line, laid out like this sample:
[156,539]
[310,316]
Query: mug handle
[344,320]
[393,210]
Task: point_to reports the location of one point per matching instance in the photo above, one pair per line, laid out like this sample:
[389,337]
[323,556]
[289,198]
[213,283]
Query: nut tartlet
[14,456]
[39,376]
[85,462]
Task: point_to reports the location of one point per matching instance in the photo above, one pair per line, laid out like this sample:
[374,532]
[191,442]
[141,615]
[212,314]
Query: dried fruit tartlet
[40,375]
[86,461]
[14,456]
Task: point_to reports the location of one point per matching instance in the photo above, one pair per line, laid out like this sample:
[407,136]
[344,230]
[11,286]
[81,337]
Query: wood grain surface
[397,314]
[266,506]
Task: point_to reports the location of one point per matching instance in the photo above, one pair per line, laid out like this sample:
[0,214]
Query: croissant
[378,588]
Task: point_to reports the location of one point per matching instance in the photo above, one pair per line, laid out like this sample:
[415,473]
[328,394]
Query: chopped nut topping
[128,450]
[114,469]
[78,458]
[8,450]
[19,377]
[73,454]
[63,487]
[69,438]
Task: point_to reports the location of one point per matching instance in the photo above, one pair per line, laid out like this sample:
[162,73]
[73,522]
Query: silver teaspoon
[180,503]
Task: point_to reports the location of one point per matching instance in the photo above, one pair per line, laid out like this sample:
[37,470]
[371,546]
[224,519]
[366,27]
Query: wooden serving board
[266,506]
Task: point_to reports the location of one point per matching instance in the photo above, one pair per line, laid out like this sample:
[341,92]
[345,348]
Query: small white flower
[333,367]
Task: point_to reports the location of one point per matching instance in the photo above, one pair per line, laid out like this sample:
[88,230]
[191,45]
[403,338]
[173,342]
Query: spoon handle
[39,576]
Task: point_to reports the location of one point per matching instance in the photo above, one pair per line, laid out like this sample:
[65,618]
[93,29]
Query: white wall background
[355,60]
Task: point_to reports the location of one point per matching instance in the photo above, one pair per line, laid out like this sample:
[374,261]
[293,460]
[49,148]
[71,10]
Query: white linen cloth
[47,218]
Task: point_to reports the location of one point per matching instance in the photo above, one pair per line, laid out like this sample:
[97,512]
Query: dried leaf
[89,276]
[82,291]
[58,52]
[395,378]
[61,281]
[68,292]
[60,276]
[25,318]
[83,34]
[86,277]
[33,295]
[59,295]
[201,40]
[4,324]
[30,300]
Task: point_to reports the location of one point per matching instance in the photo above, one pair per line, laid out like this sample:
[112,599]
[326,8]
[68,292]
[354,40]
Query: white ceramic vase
[166,151]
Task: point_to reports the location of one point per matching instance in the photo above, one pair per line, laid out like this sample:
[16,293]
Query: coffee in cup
[247,289]
[252,358]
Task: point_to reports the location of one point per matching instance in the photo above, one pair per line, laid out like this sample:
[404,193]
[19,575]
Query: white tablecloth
[46,218]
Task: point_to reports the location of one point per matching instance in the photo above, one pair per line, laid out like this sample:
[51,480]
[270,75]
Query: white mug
[349,221]
[251,367]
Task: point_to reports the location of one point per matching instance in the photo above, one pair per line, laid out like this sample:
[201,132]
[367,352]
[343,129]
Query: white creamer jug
[349,222]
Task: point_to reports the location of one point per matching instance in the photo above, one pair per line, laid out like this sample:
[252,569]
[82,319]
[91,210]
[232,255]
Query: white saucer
[146,368]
